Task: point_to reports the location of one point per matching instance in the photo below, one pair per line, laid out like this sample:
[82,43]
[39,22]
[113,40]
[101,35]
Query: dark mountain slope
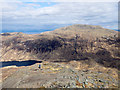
[76,42]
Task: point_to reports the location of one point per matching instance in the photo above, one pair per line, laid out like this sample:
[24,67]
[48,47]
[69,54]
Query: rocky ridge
[59,75]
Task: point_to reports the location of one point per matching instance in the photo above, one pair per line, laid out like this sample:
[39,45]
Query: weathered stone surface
[56,75]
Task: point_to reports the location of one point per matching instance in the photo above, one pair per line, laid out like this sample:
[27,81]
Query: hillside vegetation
[76,56]
[76,42]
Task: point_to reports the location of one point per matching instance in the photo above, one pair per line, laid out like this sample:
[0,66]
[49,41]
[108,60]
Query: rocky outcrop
[61,75]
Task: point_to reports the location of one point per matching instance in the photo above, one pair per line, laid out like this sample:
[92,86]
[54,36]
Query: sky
[40,16]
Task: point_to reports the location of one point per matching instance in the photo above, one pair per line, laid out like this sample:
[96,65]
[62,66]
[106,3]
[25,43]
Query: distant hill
[85,31]
[76,42]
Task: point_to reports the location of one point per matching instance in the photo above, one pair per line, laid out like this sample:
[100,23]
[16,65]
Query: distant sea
[33,31]
[27,32]
[117,30]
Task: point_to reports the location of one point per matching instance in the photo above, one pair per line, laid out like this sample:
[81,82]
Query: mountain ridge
[57,45]
[71,58]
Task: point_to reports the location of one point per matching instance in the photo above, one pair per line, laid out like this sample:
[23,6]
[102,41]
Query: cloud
[60,0]
[44,16]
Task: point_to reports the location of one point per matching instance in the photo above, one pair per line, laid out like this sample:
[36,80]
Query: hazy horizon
[37,31]
[32,17]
